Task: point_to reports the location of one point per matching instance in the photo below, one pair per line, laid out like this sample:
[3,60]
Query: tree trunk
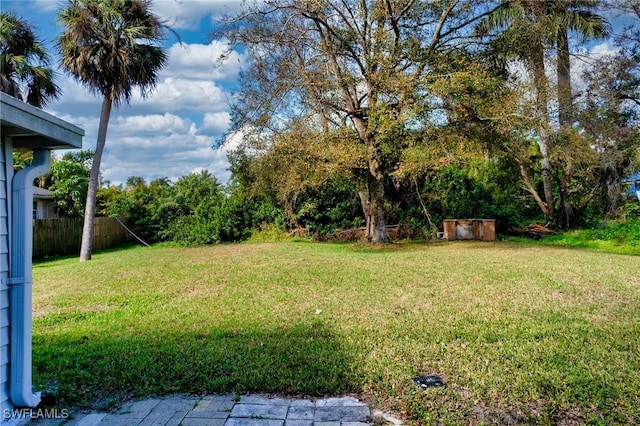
[563,72]
[532,190]
[545,162]
[565,218]
[372,199]
[288,209]
[544,137]
[90,207]
[372,193]
[565,112]
[613,200]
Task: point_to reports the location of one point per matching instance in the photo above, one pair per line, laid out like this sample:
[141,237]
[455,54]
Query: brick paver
[229,410]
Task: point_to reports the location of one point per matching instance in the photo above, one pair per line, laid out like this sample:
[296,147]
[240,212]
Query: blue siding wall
[6,171]
[635,183]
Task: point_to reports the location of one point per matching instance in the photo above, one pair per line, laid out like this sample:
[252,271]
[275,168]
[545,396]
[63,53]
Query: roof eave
[30,127]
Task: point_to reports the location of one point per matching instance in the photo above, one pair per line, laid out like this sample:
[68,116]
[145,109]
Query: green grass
[619,237]
[532,334]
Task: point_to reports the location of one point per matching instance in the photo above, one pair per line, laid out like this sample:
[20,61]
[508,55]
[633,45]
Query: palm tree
[110,46]
[573,16]
[531,28]
[526,35]
[24,63]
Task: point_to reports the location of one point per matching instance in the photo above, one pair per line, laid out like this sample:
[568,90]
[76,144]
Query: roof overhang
[30,127]
[42,193]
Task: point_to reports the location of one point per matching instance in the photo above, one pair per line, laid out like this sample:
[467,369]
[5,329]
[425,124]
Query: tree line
[371,112]
[198,209]
[395,95]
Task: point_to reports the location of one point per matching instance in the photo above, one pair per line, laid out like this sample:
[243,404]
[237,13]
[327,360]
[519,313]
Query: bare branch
[443,17]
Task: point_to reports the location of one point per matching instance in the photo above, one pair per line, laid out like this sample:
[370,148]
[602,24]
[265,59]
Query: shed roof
[30,127]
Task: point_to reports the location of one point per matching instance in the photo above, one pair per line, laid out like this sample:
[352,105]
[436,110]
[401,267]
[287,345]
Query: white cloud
[233,141]
[172,94]
[583,61]
[217,122]
[203,61]
[153,124]
[46,5]
[171,132]
[178,14]
[156,137]
[182,94]
[157,145]
[188,14]
[603,49]
[169,155]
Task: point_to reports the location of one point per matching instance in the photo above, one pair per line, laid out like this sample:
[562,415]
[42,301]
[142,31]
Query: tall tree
[578,17]
[110,46]
[68,178]
[531,29]
[354,70]
[575,16]
[24,63]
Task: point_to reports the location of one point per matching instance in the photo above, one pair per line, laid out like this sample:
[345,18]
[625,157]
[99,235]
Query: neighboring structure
[43,204]
[23,126]
[635,185]
[469,229]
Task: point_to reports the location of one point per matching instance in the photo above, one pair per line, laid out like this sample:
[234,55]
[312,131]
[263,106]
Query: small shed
[469,229]
[22,126]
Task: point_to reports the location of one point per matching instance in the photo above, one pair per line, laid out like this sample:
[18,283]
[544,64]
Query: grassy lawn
[520,333]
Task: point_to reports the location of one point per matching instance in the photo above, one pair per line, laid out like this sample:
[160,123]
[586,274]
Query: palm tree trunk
[563,71]
[90,207]
[565,110]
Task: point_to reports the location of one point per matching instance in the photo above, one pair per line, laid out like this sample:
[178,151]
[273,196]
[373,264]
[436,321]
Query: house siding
[23,126]
[6,171]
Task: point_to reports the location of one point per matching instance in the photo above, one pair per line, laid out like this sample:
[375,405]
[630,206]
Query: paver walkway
[227,410]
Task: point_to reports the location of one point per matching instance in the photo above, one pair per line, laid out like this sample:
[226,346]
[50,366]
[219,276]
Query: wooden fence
[53,237]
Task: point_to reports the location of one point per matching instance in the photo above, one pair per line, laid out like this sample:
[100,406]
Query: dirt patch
[395,232]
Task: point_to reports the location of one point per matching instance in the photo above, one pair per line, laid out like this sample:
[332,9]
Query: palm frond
[24,63]
[112,46]
[587,24]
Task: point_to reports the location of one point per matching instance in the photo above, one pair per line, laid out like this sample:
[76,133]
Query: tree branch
[443,17]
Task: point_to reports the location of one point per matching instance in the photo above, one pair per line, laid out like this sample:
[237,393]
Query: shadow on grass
[102,371]
[43,260]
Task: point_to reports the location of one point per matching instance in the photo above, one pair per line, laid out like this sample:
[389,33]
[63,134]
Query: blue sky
[172,132]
